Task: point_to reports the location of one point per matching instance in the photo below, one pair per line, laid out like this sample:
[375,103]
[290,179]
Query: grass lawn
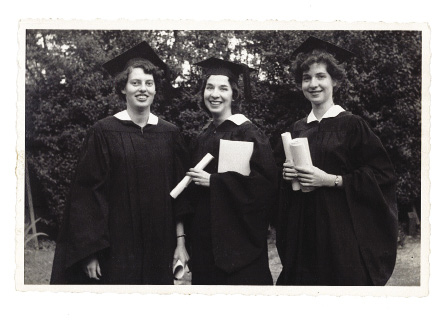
[38,263]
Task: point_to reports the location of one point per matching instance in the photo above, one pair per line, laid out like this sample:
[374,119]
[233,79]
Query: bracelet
[180,236]
[337,181]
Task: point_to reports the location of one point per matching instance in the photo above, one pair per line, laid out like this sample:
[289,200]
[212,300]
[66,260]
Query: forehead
[316,67]
[139,73]
[218,80]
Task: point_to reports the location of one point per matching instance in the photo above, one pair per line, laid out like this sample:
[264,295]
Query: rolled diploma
[301,156]
[187,180]
[178,270]
[286,139]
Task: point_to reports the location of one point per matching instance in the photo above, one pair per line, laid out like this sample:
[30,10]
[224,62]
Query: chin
[317,101]
[215,110]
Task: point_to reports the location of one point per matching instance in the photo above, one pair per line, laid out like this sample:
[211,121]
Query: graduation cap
[142,51]
[313,43]
[215,66]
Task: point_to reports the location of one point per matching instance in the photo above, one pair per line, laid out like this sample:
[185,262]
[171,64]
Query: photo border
[101,24]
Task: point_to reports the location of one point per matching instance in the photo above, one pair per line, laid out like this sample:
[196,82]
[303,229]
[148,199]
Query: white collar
[238,119]
[124,115]
[331,113]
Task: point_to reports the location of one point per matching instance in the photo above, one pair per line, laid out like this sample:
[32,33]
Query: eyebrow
[221,85]
[318,73]
[148,79]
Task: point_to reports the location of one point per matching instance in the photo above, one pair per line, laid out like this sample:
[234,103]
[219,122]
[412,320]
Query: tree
[67,91]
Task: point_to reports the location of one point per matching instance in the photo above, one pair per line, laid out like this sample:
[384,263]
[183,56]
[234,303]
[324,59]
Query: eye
[135,82]
[306,78]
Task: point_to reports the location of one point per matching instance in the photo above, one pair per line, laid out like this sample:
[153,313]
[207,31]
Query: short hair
[236,95]
[148,68]
[305,60]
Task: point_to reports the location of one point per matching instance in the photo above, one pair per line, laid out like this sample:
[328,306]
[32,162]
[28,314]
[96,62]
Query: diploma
[187,180]
[286,139]
[301,156]
[178,270]
[235,156]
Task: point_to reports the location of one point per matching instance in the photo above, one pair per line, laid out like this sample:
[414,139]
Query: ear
[123,91]
[335,84]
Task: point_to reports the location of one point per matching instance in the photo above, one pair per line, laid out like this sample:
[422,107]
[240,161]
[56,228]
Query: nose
[143,87]
[313,82]
[214,93]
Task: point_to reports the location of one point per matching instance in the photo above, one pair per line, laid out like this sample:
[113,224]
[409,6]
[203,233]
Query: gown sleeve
[370,192]
[84,228]
[240,206]
[284,192]
[181,205]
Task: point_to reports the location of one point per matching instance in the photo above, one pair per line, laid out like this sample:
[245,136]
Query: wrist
[329,180]
[337,181]
[181,240]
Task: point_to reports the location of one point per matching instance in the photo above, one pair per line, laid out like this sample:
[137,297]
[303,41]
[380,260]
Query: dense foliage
[67,91]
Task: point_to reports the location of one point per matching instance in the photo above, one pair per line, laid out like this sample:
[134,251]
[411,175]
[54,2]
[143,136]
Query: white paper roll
[187,180]
[286,139]
[301,156]
[204,161]
[178,270]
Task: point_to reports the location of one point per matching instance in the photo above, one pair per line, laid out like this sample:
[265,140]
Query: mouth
[314,93]
[141,98]
[215,103]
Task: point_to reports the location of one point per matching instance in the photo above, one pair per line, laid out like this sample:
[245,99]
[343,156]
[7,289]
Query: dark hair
[236,95]
[305,60]
[148,68]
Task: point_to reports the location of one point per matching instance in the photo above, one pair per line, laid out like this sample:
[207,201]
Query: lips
[141,97]
[215,103]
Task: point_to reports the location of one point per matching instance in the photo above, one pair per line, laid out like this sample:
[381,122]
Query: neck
[321,109]
[218,119]
[139,116]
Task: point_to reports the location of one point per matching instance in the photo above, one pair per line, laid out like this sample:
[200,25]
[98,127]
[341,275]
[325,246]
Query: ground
[38,263]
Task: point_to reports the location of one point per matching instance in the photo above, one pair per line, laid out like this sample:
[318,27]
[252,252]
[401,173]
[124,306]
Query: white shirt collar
[124,115]
[238,119]
[331,113]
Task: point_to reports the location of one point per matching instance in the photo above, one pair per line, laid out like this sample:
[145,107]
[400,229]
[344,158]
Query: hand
[289,172]
[180,254]
[91,267]
[200,177]
[311,176]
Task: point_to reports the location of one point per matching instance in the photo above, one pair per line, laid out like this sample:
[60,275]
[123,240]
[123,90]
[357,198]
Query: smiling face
[317,85]
[218,96]
[139,90]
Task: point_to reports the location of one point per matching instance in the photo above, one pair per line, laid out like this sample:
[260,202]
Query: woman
[229,229]
[121,225]
[344,232]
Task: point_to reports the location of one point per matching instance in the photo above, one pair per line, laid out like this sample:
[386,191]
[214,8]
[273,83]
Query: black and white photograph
[313,138]
[260,159]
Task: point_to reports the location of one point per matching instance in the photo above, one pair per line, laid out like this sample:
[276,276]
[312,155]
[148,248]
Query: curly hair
[148,68]
[305,60]
[236,95]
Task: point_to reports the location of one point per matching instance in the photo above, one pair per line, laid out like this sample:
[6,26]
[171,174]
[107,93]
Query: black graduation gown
[340,236]
[120,208]
[229,229]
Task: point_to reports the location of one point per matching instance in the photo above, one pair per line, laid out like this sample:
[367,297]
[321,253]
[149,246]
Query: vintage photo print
[317,175]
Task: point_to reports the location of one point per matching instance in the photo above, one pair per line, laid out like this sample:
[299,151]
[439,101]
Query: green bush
[67,91]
